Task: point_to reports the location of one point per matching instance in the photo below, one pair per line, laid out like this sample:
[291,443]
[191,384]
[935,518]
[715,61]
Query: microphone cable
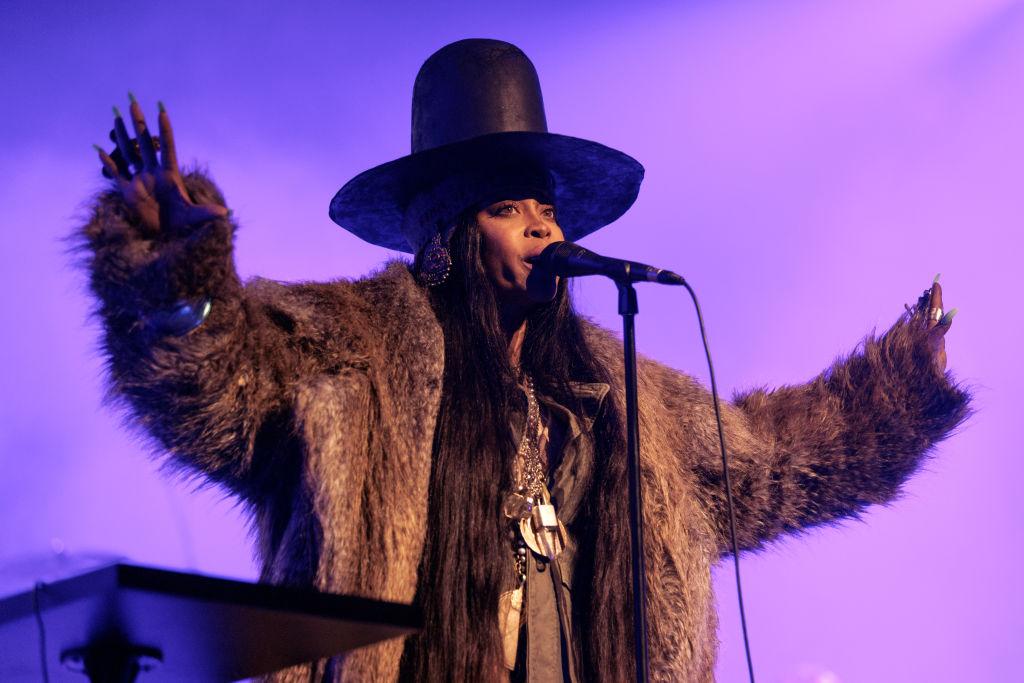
[41,630]
[725,470]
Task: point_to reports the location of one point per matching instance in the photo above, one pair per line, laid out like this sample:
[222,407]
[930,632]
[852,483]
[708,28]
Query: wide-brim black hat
[478,132]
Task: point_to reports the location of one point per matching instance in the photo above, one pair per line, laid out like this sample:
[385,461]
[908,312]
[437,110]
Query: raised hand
[153,187]
[929,308]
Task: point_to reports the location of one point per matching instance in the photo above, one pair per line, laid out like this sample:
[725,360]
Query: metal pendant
[543,532]
[510,610]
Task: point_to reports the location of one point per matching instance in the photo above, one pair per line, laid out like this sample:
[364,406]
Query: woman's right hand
[153,188]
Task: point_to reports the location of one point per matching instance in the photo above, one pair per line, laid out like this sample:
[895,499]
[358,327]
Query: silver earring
[435,262]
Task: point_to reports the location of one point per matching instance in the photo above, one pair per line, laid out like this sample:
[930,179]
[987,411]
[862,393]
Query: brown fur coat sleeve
[208,397]
[811,454]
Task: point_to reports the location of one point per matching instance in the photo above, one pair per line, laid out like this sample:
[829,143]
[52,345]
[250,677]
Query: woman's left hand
[929,306]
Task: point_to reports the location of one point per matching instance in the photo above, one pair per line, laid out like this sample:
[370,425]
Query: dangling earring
[435,262]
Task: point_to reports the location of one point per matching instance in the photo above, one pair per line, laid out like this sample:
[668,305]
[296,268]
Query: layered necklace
[534,525]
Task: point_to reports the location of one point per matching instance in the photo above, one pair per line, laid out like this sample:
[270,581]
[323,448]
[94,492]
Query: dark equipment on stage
[117,622]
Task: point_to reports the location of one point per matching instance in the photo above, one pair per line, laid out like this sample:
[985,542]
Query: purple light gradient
[810,166]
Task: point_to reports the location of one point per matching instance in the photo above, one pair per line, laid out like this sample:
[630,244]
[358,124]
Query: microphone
[566,259]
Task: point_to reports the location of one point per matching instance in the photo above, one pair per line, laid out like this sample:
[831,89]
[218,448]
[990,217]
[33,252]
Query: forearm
[811,454]
[202,395]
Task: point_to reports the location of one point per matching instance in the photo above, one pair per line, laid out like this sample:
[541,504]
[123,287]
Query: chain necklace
[529,477]
[530,506]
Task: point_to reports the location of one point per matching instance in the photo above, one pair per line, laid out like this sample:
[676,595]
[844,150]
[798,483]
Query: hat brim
[593,184]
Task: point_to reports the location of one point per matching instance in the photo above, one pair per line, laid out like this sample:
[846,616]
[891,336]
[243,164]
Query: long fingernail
[937,276]
[948,318]
[161,107]
[98,148]
[131,98]
[117,112]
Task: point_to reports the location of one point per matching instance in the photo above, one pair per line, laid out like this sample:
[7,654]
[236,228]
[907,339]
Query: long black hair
[467,557]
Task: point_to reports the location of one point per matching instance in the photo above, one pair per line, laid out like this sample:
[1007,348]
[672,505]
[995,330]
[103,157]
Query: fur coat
[315,404]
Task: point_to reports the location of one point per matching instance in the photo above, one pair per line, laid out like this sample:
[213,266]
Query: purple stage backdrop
[810,167]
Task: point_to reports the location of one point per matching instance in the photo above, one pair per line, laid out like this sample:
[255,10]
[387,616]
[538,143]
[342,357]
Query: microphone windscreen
[541,283]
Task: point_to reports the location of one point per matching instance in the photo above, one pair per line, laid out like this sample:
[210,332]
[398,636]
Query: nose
[536,225]
[539,228]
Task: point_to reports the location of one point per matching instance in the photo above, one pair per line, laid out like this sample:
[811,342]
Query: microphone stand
[628,308]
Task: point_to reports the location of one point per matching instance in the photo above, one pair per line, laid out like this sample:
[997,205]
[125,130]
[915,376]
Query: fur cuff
[134,273]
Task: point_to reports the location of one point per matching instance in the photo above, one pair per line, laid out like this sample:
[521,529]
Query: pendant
[543,532]
[510,610]
[516,506]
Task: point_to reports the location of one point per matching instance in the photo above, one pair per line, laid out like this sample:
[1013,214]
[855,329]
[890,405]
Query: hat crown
[475,87]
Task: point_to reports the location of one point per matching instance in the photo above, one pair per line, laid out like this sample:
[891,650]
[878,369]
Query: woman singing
[432,434]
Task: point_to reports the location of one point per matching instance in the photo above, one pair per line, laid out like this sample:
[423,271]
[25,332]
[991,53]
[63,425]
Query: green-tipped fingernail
[161,107]
[117,112]
[937,276]
[948,318]
[131,98]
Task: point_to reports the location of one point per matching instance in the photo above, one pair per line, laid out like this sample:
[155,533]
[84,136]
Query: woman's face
[512,232]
